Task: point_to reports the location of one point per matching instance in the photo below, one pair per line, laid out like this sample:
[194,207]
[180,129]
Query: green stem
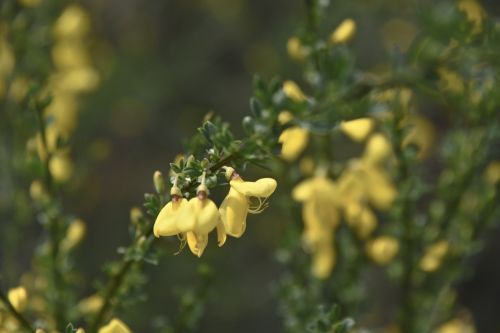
[12,310]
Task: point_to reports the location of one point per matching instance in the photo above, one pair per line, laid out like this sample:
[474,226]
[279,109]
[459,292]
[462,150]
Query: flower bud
[344,32]
[159,182]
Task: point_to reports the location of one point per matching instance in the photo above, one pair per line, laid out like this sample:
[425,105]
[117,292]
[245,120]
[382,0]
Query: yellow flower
[421,133]
[37,190]
[61,167]
[294,140]
[75,233]
[362,181]
[361,218]
[357,129]
[295,49]
[18,297]
[285,117]
[115,326]
[30,3]
[456,326]
[63,112]
[344,32]
[383,249]
[377,150]
[67,54]
[166,221]
[238,202]
[323,261]
[320,216]
[90,304]
[492,174]
[434,255]
[451,80]
[292,91]
[73,22]
[474,11]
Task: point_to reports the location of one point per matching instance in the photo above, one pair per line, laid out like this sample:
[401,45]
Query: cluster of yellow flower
[73,75]
[363,185]
[192,220]
[18,297]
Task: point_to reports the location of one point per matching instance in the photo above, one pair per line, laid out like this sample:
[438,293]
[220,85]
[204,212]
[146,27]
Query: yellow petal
[456,326]
[221,233]
[344,32]
[292,91]
[304,190]
[492,173]
[383,249]
[377,149]
[233,213]
[197,242]
[361,218]
[115,326]
[262,188]
[200,216]
[165,224]
[73,22]
[357,129]
[294,140]
[381,191]
[285,117]
[323,262]
[295,49]
[434,255]
[18,297]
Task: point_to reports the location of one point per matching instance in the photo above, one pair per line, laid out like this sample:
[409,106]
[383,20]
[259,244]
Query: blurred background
[165,64]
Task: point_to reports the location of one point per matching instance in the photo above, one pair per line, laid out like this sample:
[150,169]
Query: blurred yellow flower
[292,91]
[115,326]
[433,256]
[68,54]
[357,129]
[238,202]
[456,326]
[73,22]
[285,117]
[37,190]
[74,235]
[90,305]
[18,297]
[382,249]
[451,80]
[361,218]
[320,215]
[295,49]
[61,167]
[492,174]
[378,149]
[474,12]
[344,32]
[294,140]
[421,133]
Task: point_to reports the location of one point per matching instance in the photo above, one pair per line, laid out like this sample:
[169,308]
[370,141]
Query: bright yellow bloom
[115,326]
[77,80]
[492,174]
[18,297]
[285,117]
[357,129]
[292,91]
[294,140]
[166,221]
[63,112]
[456,326]
[74,22]
[344,32]
[80,330]
[238,202]
[434,255]
[323,260]
[383,249]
